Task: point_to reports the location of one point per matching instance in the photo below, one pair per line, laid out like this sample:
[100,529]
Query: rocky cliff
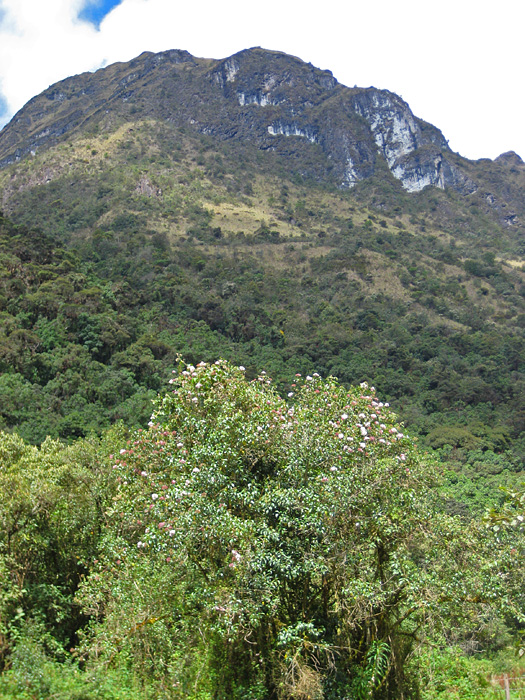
[266,99]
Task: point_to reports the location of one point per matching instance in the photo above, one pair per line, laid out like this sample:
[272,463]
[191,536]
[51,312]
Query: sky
[458,63]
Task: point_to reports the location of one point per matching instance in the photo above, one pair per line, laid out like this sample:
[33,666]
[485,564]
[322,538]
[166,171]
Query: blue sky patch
[94,11]
[3,14]
[4,111]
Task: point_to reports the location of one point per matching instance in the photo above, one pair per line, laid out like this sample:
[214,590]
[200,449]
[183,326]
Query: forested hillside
[289,277]
[185,215]
[244,545]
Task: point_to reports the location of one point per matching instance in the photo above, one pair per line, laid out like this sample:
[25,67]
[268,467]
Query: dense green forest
[324,497]
[373,285]
[248,546]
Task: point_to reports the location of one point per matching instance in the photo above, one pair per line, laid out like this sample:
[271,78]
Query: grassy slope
[205,250]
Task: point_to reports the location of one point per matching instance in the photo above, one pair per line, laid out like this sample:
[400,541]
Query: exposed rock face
[267,99]
[146,188]
[428,166]
[414,156]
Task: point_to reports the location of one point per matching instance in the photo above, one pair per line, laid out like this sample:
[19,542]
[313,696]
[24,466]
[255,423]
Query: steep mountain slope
[266,101]
[206,208]
[255,96]
[253,209]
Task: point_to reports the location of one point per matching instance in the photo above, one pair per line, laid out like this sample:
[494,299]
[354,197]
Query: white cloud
[40,43]
[457,64]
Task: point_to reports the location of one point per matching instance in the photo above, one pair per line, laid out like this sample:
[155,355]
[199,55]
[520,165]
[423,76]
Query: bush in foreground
[266,548]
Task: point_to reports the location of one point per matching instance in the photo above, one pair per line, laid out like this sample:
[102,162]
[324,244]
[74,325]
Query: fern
[374,671]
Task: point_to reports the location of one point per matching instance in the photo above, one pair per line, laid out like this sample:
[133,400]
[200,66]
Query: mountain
[255,97]
[274,103]
[253,208]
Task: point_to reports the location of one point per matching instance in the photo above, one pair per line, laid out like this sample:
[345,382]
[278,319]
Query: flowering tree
[296,542]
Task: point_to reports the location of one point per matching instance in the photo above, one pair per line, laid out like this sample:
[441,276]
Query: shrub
[263,548]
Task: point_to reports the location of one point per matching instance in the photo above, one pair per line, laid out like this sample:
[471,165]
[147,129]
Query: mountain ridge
[353,128]
[132,237]
[231,235]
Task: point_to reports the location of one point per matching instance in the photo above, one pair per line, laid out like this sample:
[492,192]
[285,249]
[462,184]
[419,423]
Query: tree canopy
[292,548]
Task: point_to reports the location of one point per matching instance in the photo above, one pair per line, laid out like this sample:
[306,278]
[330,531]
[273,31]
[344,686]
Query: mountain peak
[510,157]
[269,100]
